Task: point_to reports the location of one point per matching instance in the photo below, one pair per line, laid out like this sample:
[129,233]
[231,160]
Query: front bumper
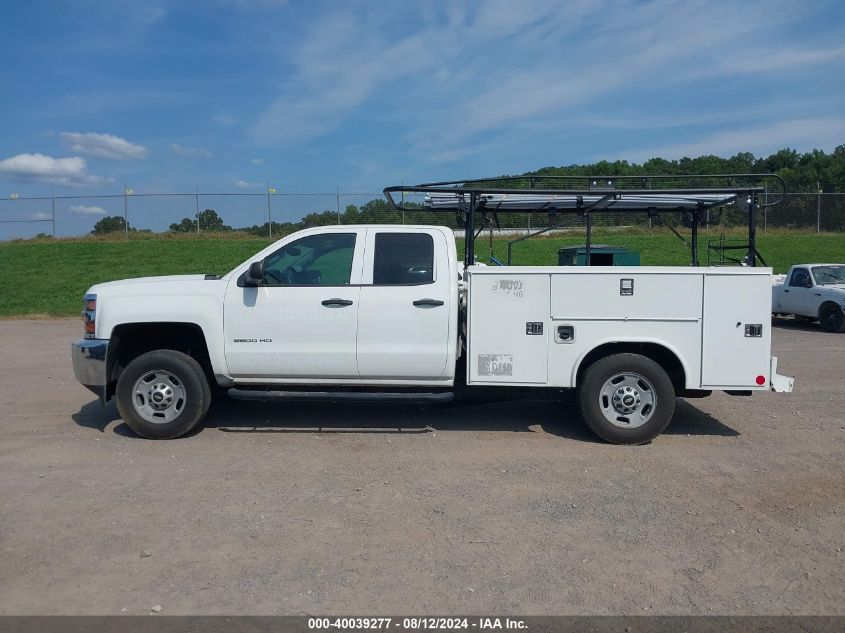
[89,365]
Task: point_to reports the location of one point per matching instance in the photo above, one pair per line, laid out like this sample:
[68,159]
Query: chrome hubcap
[158,396]
[627,400]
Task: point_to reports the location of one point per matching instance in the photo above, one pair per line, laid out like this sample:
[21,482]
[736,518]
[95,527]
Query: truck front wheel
[832,318]
[162,394]
[626,398]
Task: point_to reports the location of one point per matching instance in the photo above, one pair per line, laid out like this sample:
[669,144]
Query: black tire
[592,403]
[187,376]
[832,318]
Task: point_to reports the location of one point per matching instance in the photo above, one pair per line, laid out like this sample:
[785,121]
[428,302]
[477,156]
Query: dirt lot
[738,508]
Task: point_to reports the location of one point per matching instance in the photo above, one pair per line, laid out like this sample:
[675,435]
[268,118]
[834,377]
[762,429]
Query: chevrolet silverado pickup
[390,312]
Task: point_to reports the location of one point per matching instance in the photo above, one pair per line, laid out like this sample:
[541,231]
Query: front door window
[316,260]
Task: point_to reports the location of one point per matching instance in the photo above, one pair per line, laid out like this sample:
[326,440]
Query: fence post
[818,207]
[765,207]
[269,216]
[125,211]
[197,206]
[53,206]
[752,229]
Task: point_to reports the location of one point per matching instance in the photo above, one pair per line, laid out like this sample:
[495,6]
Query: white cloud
[459,75]
[191,152]
[256,161]
[103,145]
[72,171]
[780,59]
[40,215]
[450,56]
[625,47]
[81,209]
[243,184]
[820,133]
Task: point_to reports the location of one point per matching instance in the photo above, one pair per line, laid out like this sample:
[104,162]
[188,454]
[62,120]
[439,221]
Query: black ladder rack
[693,195]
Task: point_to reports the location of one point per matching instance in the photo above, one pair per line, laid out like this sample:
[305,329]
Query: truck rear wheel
[163,394]
[832,318]
[626,398]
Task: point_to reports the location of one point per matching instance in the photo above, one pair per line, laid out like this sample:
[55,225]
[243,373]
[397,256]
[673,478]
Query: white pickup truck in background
[388,312]
[812,292]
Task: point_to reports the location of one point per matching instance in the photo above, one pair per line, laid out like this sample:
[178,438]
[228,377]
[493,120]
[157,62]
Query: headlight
[89,314]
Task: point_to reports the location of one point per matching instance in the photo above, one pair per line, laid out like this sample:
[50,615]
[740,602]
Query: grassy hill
[49,277]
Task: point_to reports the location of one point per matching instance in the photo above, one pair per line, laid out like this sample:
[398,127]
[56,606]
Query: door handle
[337,303]
[420,303]
[786,289]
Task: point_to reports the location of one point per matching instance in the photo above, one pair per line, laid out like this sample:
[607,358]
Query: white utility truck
[389,312]
[812,292]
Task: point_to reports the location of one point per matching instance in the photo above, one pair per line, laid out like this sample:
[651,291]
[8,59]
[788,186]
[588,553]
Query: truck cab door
[798,294]
[301,322]
[407,313]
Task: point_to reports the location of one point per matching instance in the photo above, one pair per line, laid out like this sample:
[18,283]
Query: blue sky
[228,94]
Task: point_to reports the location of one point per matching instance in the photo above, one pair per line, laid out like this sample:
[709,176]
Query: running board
[265,395]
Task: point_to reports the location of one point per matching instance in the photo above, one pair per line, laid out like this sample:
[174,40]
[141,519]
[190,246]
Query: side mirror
[255,275]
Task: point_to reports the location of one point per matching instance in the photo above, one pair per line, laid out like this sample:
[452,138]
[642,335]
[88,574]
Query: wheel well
[130,340]
[826,303]
[663,356]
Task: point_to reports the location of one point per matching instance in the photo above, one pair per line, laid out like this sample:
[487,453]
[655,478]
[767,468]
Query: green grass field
[49,277]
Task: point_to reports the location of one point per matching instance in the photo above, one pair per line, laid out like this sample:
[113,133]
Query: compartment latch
[754,329]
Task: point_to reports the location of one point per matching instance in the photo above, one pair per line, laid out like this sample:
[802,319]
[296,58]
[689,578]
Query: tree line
[802,172]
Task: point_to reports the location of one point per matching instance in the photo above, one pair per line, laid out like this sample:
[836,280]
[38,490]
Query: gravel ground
[739,508]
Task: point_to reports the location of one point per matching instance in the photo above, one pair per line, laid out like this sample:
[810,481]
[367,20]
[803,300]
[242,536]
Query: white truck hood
[157,285]
[163,279]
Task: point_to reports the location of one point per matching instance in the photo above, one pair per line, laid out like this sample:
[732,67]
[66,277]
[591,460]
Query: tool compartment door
[730,356]
[508,328]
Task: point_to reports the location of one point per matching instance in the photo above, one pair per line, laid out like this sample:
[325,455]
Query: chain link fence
[273,214]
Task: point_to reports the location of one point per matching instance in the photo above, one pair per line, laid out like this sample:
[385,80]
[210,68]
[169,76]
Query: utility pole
[53,205]
[818,207]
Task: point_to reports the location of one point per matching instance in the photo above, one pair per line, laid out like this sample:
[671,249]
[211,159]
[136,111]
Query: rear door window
[403,259]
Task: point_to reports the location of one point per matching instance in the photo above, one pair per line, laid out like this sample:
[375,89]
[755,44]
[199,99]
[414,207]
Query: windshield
[829,275]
